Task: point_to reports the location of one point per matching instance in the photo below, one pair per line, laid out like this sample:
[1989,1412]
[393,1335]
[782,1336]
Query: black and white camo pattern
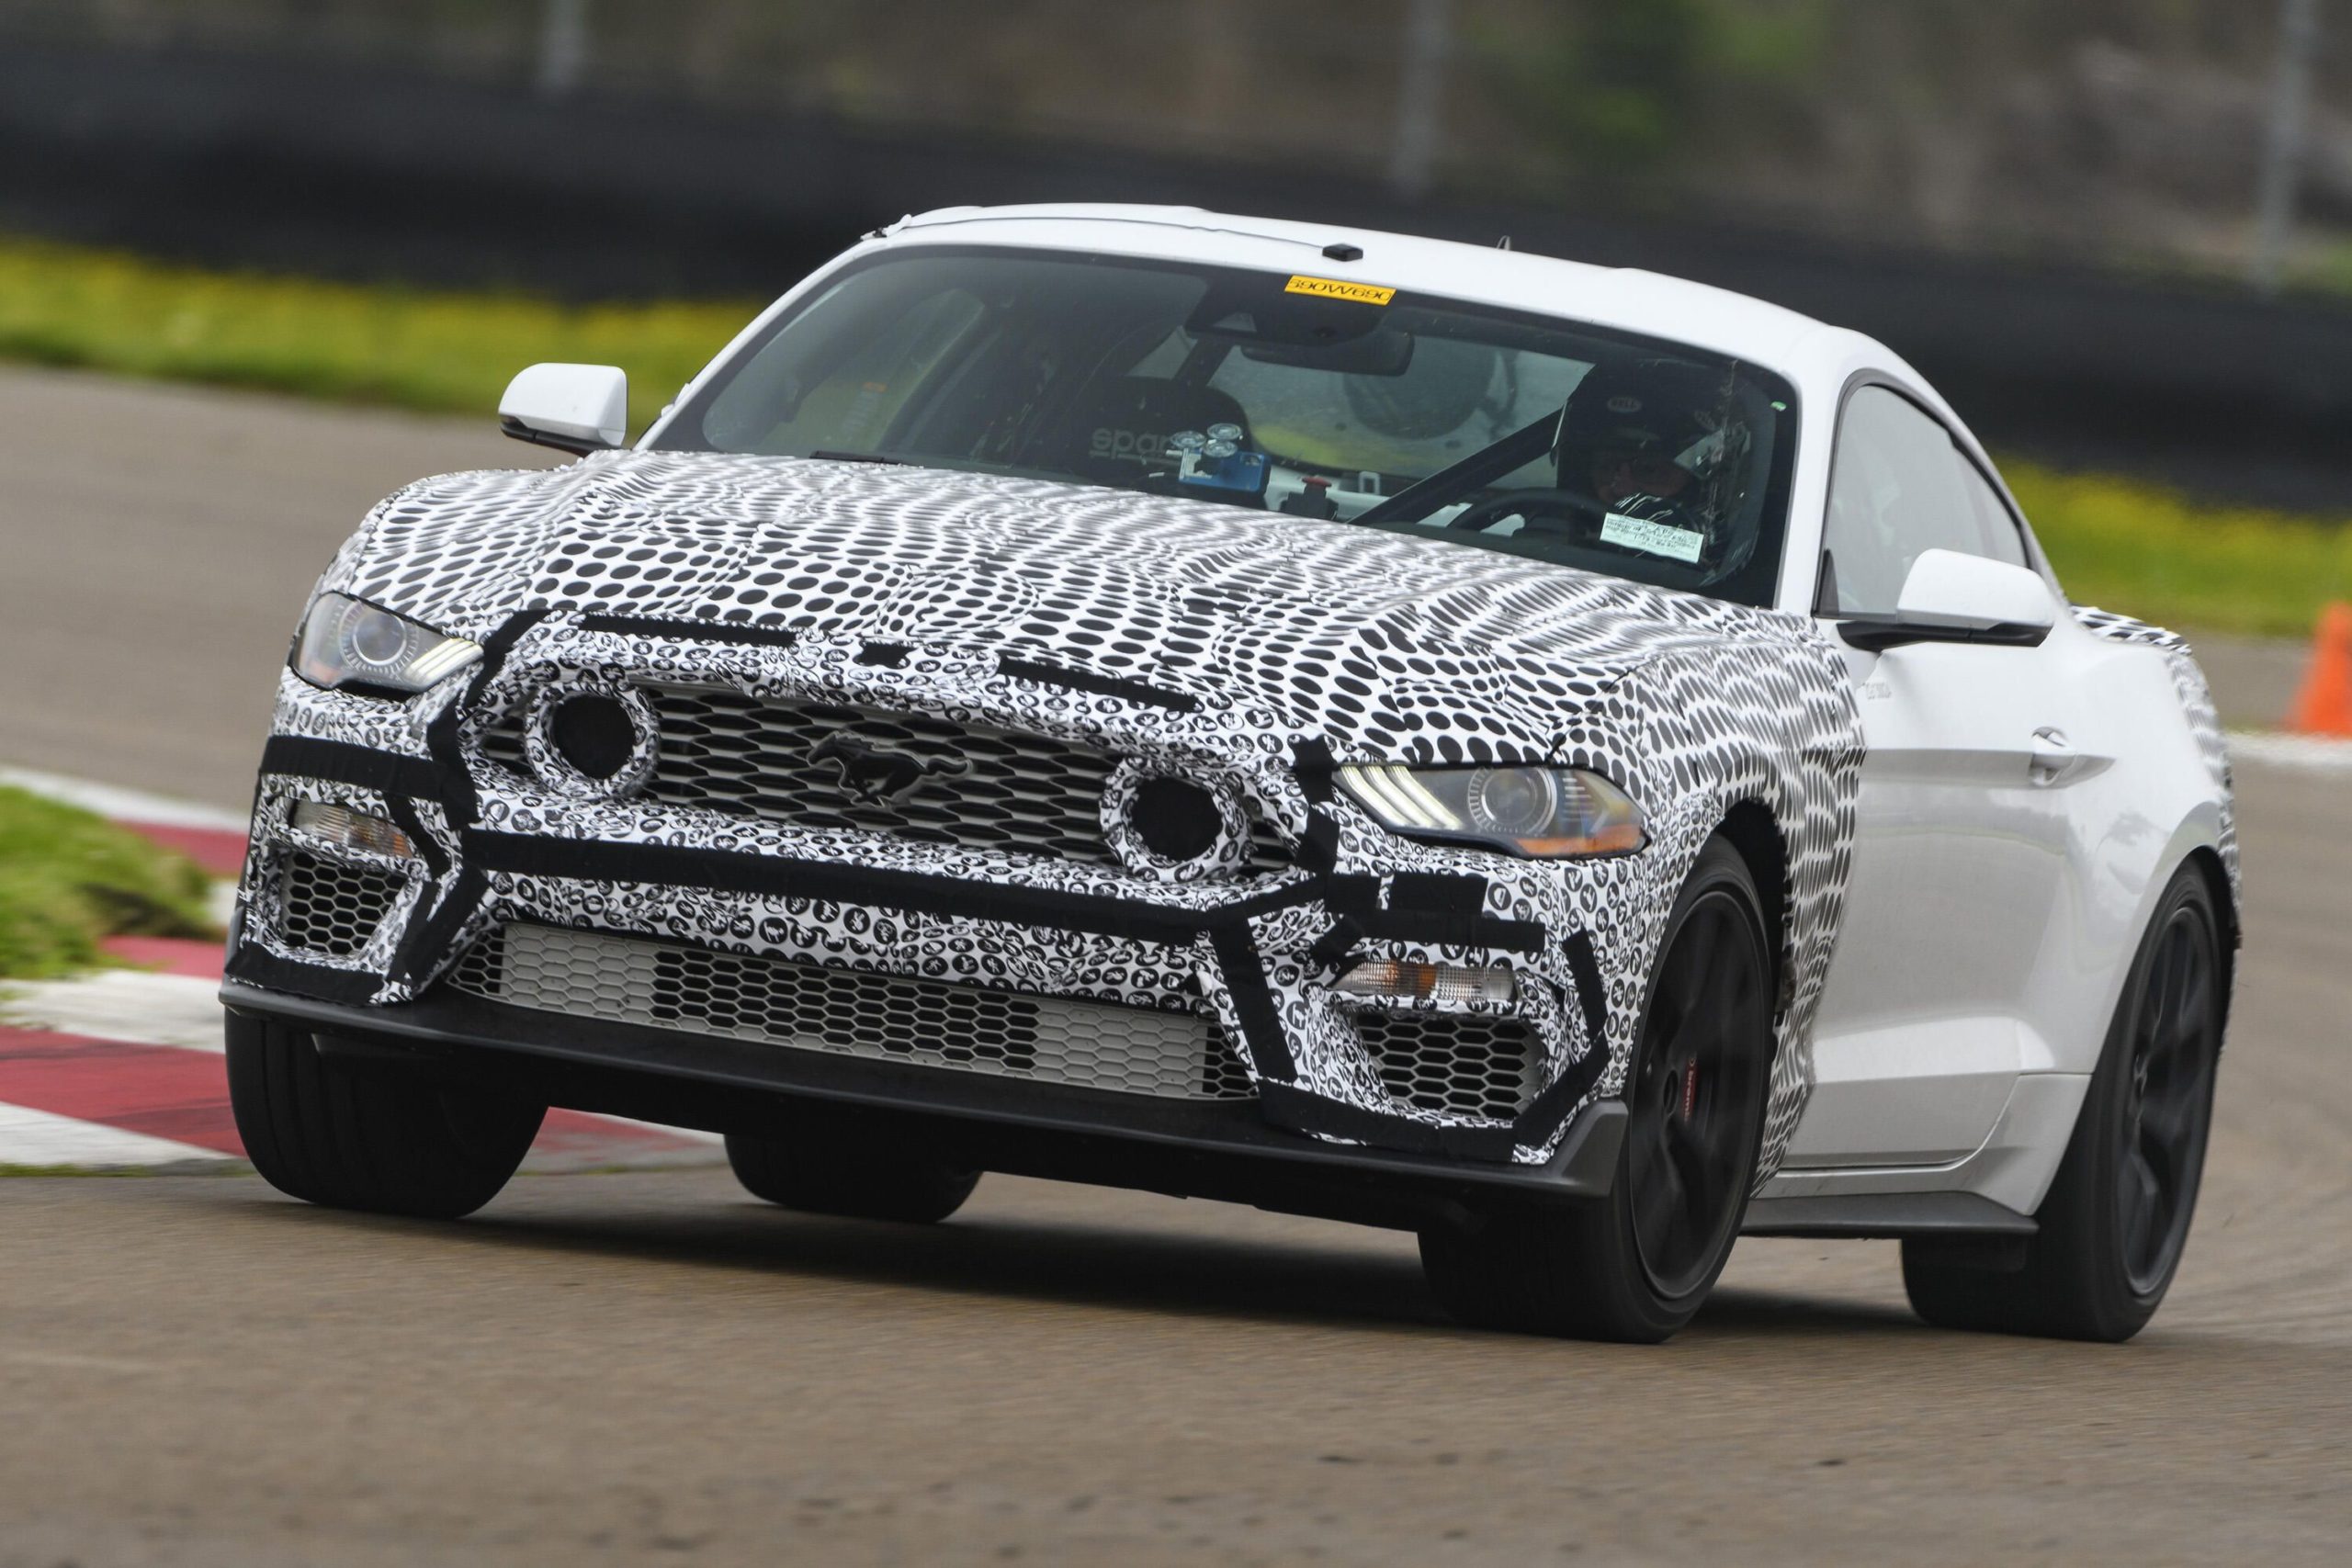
[2196,703]
[1279,632]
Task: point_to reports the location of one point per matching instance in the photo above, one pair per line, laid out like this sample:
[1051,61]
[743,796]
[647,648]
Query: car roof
[1628,298]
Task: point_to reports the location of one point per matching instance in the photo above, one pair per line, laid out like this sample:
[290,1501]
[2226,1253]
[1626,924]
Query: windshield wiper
[825,457]
[1488,463]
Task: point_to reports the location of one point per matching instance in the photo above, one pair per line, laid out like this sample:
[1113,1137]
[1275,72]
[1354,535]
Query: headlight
[346,642]
[1544,813]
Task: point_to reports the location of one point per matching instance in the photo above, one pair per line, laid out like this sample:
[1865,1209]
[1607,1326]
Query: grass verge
[2127,546]
[2143,550]
[68,878]
[411,348]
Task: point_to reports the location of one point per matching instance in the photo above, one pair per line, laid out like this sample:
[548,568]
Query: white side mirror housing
[1951,597]
[573,408]
[1945,585]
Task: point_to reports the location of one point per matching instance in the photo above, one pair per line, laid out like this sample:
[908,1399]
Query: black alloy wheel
[2168,1097]
[1637,1264]
[1691,1141]
[2117,1216]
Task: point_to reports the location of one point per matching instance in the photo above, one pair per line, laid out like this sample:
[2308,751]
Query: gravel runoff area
[651,1366]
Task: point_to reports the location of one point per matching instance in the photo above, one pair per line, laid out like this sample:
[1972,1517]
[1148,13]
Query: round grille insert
[590,742]
[1173,828]
[1176,819]
[593,733]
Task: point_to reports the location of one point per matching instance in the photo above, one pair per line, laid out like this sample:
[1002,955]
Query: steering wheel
[1481,516]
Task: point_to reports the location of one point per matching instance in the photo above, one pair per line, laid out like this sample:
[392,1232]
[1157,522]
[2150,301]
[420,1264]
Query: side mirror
[573,408]
[1953,597]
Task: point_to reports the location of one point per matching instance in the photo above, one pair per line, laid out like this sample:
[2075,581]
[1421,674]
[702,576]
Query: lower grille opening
[728,993]
[819,1006]
[330,906]
[1456,1063]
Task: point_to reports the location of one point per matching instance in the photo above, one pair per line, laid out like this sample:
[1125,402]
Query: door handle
[2055,756]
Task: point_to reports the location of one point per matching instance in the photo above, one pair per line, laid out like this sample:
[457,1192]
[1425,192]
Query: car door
[1961,856]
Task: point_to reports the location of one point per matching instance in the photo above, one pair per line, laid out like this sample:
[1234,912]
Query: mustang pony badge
[876,775]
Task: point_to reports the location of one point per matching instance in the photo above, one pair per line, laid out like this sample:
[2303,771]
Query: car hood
[1383,643]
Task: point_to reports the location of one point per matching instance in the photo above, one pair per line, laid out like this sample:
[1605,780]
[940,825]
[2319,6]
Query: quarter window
[1901,487]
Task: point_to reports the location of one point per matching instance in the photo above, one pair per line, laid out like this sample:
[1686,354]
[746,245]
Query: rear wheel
[2118,1213]
[1637,1264]
[322,1130]
[837,1160]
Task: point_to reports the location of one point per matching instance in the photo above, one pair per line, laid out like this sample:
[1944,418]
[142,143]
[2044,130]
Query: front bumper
[1185,1148]
[1256,954]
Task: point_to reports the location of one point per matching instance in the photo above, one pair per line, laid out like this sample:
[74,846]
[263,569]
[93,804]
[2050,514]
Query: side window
[2002,540]
[1900,488]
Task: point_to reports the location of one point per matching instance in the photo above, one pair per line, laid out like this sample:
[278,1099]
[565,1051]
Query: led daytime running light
[349,642]
[1539,812]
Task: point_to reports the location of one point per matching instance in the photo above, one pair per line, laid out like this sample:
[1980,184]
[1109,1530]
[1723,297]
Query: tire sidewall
[1719,868]
[2087,1216]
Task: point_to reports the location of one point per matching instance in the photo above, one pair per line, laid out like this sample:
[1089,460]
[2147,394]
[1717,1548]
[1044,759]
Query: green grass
[68,878]
[410,349]
[2127,546]
[2150,552]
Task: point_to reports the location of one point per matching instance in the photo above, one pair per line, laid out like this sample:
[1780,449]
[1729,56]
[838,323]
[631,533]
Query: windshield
[1490,428]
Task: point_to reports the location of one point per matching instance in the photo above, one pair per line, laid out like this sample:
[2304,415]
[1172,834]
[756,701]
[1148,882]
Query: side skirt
[1942,1215]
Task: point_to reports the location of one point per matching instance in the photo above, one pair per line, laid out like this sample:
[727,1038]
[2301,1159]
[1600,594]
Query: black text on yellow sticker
[1339,288]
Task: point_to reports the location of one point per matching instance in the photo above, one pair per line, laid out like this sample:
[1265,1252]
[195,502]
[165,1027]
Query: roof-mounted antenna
[1503,243]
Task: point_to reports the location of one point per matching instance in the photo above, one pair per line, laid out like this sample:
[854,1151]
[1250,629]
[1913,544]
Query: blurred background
[2116,233]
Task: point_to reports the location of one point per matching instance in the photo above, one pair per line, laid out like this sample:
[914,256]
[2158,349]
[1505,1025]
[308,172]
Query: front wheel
[2118,1213]
[1636,1265]
[827,1159]
[319,1128]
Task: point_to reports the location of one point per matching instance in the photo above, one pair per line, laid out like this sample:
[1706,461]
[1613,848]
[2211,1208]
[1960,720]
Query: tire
[1635,1265]
[381,1141]
[836,1160]
[2117,1216]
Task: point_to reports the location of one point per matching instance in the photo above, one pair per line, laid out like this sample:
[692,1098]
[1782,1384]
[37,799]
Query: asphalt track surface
[653,1368]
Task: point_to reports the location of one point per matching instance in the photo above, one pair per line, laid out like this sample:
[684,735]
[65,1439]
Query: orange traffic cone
[2325,704]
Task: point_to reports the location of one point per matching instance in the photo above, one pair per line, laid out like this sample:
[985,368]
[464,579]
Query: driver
[1636,437]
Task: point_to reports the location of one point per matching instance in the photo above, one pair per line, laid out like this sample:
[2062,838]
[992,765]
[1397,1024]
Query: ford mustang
[1574,763]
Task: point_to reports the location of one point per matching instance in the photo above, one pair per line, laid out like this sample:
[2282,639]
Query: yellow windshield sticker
[1338,289]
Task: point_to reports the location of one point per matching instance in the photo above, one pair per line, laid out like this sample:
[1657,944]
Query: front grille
[1457,1063]
[982,788]
[979,789]
[818,1006]
[330,907]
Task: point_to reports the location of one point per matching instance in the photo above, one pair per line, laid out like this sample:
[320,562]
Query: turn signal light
[352,829]
[1409,980]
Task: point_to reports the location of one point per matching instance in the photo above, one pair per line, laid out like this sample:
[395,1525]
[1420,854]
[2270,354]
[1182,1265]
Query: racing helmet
[1669,410]
[1662,408]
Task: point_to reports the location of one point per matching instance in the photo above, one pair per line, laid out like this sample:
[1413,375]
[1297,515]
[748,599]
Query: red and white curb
[122,1069]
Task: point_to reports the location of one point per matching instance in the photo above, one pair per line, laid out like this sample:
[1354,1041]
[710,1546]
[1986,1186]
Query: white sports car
[1575,763]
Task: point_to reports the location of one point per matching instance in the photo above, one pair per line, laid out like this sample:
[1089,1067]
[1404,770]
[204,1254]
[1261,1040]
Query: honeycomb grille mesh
[977,787]
[1457,1063]
[330,907]
[881,1017]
